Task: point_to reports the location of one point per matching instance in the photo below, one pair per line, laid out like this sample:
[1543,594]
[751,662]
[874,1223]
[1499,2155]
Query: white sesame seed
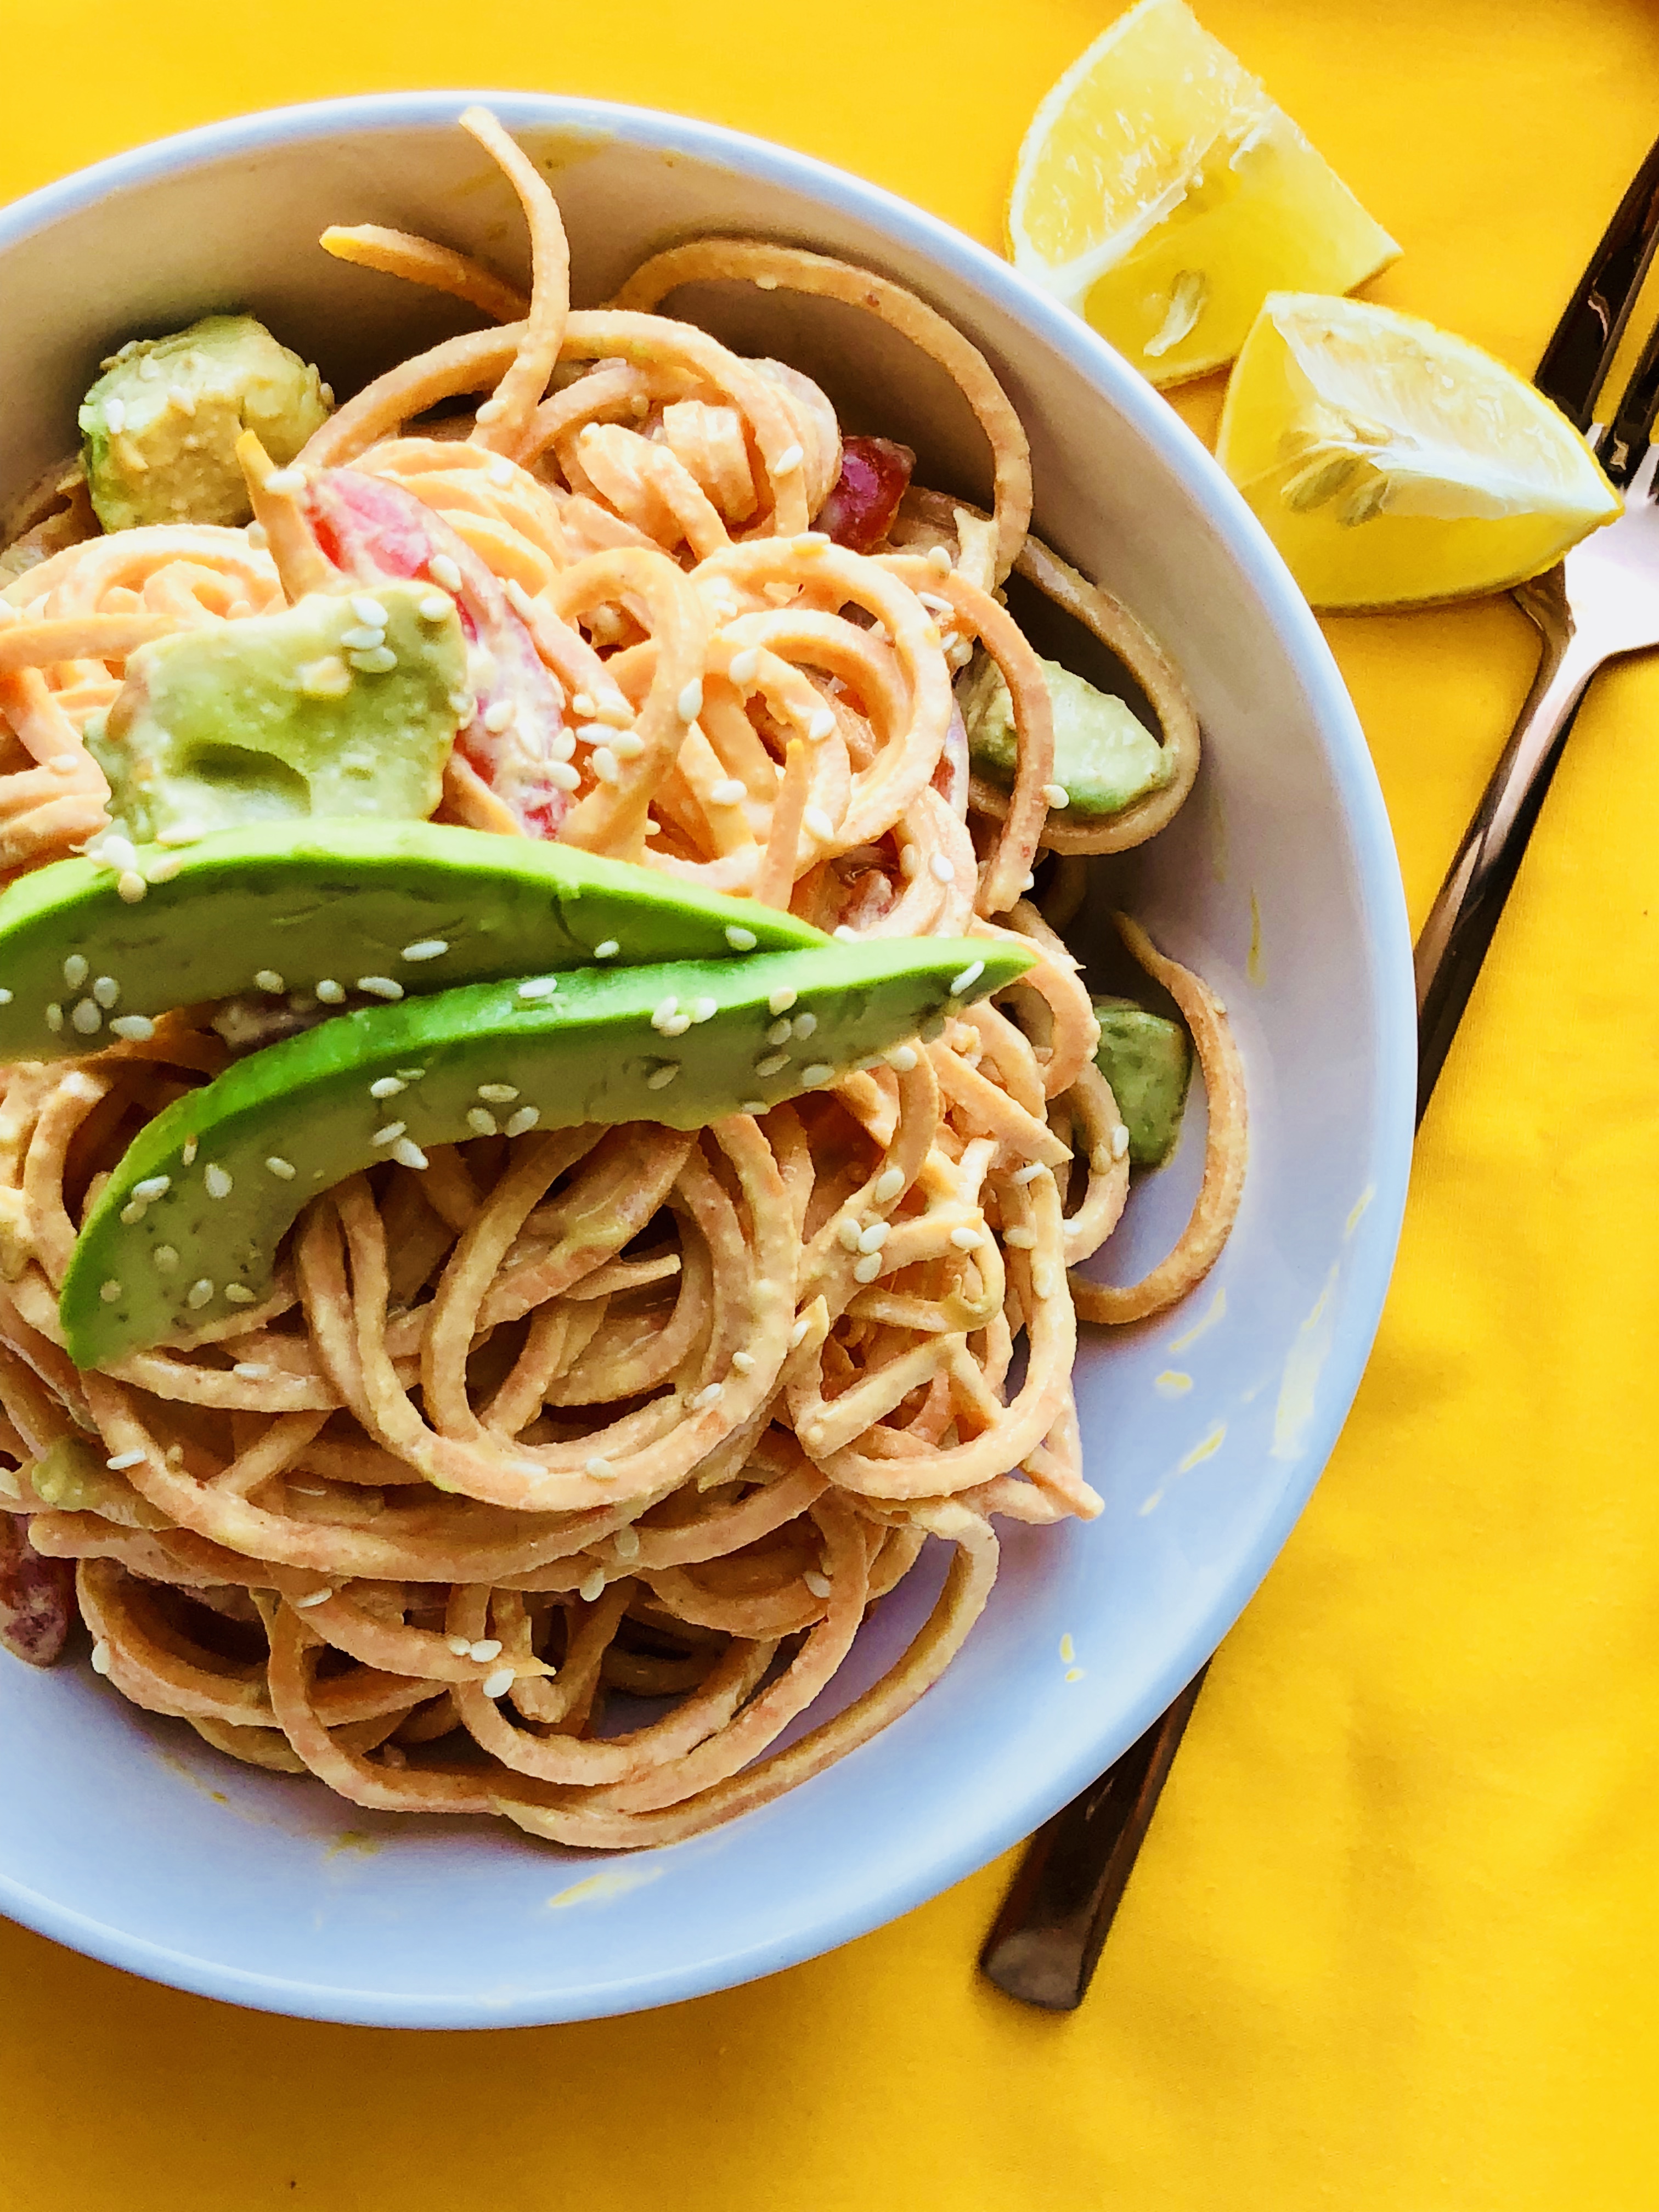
[943,867]
[561,775]
[216,1180]
[872,1238]
[152,1186]
[258,537]
[389,1134]
[847,934]
[414,1075]
[539,987]
[107,992]
[283,1170]
[1120,1142]
[380,662]
[626,1543]
[367,610]
[498,1684]
[55,1017]
[481,1121]
[902,1057]
[939,559]
[966,1239]
[164,1259]
[797,1334]
[100,1659]
[743,666]
[626,745]
[909,863]
[780,1001]
[115,416]
[582,704]
[1056,794]
[425,948]
[491,411]
[787,461]
[704,1009]
[1043,1279]
[268,980]
[728,792]
[133,1213]
[817,1584]
[773,1064]
[121,1460]
[817,822]
[116,851]
[282,481]
[608,949]
[820,1072]
[605,765]
[433,607]
[86,1018]
[444,571]
[312,1597]
[742,1363]
[660,1078]
[935,605]
[498,1094]
[1022,1240]
[966,981]
[752,1106]
[460,1645]
[379,986]
[1029,1173]
[486,1649]
[497,717]
[591,1588]
[600,1469]
[779,1031]
[888,1185]
[187,1152]
[740,940]
[689,705]
[330,992]
[109,1291]
[366,640]
[5,998]
[500,473]
[256,1370]
[847,1232]
[804,1025]
[240,1295]
[199,1293]
[75,970]
[708,1395]
[822,725]
[1027,882]
[408,1153]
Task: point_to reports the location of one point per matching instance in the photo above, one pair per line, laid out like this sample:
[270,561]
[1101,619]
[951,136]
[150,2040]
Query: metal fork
[1600,604]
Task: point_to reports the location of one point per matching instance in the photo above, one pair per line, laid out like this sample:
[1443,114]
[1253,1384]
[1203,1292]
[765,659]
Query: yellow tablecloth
[1394,1943]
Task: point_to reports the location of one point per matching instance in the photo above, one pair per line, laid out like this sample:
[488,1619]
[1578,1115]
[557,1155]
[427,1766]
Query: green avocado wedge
[336,911]
[1148,1060]
[187,1230]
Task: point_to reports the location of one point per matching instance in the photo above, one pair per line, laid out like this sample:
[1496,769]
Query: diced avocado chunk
[1148,1062]
[1105,758]
[278,717]
[73,1476]
[187,1230]
[159,429]
[308,910]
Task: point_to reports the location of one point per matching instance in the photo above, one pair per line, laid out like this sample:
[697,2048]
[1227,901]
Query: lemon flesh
[1391,463]
[1161,194]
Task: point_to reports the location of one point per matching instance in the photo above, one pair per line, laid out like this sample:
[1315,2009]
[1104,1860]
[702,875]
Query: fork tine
[1620,451]
[1575,361]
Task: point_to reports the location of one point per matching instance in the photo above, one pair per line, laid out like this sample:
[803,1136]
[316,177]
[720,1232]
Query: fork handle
[1454,940]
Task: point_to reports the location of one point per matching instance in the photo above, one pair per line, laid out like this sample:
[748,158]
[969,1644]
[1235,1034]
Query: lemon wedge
[1392,463]
[1161,194]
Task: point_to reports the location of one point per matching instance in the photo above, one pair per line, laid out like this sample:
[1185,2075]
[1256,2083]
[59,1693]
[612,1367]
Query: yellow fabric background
[1393,1944]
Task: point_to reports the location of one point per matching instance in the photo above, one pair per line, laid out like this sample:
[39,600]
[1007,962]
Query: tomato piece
[875,474]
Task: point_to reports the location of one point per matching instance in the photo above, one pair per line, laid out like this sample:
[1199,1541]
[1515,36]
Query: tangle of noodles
[615,1413]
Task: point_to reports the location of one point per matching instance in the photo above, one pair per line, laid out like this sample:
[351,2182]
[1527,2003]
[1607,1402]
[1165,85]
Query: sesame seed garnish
[608,949]
[282,481]
[425,948]
[380,662]
[888,1185]
[822,725]
[847,1232]
[330,992]
[780,1001]
[267,979]
[386,1086]
[1120,1142]
[107,992]
[133,1213]
[966,1239]
[798,1333]
[132,1029]
[114,851]
[966,981]
[562,775]
[743,666]
[817,1584]
[498,1094]
[414,1075]
[939,559]
[600,1469]
[198,1294]
[164,1259]
[121,1460]
[704,1009]
[258,1371]
[708,1395]
[109,1291]
[664,1011]
[389,1134]
[540,986]
[740,940]
[660,1078]
[86,1018]
[481,1121]
[433,607]
[943,867]
[491,411]
[820,1072]
[1056,794]
[818,824]
[367,610]
[847,934]
[100,1659]
[216,1180]
[752,1106]
[872,1238]
[460,1645]
[152,1186]
[54,1018]
[626,1543]
[258,537]
[1027,883]
[115,416]
[804,1025]
[498,1684]
[728,792]
[773,1064]
[742,1363]
[627,745]
[240,1295]
[365,640]
[591,1588]
[284,1170]
[380,986]
[605,765]
[486,1649]
[780,1032]
[5,998]
[1029,1173]
[312,1597]
[689,705]
[1043,1279]
[408,1153]
[75,970]
[1022,1240]
[787,461]
[497,717]
[900,1057]
[444,571]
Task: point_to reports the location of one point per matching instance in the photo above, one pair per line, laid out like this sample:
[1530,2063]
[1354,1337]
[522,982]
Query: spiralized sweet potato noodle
[555,1478]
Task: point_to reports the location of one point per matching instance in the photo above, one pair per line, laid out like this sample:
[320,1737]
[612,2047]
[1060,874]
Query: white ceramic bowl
[129,1838]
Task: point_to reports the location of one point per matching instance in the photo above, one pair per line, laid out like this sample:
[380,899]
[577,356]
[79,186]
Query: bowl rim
[1380,899]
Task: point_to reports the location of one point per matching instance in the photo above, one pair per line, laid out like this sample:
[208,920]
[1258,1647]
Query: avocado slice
[187,1228]
[159,429]
[308,909]
[1148,1062]
[338,705]
[1105,758]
